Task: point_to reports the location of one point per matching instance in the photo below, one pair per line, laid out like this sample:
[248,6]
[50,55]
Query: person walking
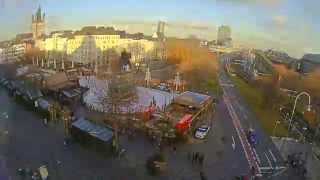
[201,158]
[196,158]
[193,157]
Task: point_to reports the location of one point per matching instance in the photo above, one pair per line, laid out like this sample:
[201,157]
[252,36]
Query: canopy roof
[102,133]
[58,81]
[193,99]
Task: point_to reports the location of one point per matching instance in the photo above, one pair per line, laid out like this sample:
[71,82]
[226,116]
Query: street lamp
[294,107]
[293,110]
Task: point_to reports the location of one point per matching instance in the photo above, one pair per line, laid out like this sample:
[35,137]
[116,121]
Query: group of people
[297,162]
[197,158]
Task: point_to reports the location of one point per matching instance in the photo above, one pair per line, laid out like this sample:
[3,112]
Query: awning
[191,99]
[99,132]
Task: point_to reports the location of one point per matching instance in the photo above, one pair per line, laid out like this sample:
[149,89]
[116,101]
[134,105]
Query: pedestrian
[304,172]
[196,158]
[174,149]
[253,171]
[201,157]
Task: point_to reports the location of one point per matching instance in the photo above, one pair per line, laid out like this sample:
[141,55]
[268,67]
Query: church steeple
[38,23]
[38,14]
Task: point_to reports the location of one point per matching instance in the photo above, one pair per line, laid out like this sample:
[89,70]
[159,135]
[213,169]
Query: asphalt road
[265,154]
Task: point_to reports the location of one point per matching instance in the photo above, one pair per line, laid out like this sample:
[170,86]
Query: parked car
[252,137]
[202,131]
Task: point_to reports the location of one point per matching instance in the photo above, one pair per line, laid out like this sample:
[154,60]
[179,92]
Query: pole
[293,110]
[294,107]
[62,65]
[55,63]
[42,63]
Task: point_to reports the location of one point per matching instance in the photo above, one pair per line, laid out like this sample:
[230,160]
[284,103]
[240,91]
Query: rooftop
[102,133]
[314,58]
[193,99]
[101,30]
[58,81]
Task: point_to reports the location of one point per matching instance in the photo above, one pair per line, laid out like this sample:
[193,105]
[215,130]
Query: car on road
[252,137]
[202,132]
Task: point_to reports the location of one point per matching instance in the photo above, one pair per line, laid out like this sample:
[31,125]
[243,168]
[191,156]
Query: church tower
[38,22]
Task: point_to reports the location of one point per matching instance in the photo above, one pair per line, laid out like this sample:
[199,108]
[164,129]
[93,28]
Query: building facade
[160,30]
[14,52]
[2,60]
[224,36]
[55,43]
[90,48]
[38,24]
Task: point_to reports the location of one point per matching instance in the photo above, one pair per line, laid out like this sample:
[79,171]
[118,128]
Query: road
[265,155]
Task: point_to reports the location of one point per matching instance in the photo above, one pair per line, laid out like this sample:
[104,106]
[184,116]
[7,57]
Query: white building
[2,59]
[224,36]
[55,43]
[89,48]
[15,52]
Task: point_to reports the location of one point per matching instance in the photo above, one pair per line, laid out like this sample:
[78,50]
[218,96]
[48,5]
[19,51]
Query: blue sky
[290,25]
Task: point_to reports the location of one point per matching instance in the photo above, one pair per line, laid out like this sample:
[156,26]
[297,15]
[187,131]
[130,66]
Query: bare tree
[137,52]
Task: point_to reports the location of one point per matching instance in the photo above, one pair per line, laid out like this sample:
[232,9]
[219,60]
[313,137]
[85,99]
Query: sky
[289,25]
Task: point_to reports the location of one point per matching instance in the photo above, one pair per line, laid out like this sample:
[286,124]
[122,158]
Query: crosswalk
[271,166]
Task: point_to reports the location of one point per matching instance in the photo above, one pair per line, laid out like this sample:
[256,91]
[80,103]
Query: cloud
[280,20]
[253,2]
[134,22]
[21,3]
[175,24]
[311,7]
[189,25]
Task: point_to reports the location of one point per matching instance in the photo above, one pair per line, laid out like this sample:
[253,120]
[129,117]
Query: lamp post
[293,110]
[295,104]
